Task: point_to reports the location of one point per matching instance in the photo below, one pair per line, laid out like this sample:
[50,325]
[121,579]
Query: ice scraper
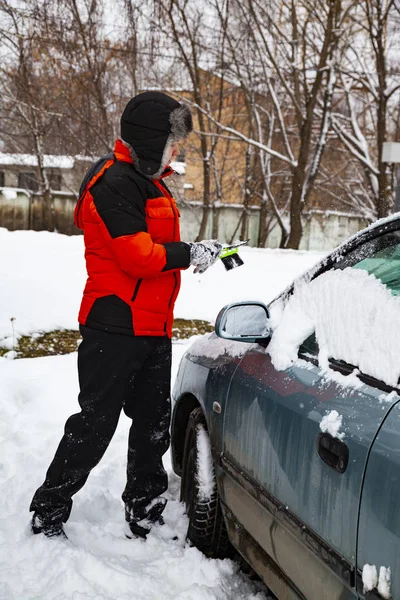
[230,256]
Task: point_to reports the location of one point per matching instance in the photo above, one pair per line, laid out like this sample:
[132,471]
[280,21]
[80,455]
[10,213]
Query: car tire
[199,492]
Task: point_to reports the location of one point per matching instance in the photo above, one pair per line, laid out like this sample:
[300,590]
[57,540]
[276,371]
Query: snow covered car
[286,428]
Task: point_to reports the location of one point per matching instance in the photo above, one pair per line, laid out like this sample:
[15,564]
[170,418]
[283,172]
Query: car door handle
[333,452]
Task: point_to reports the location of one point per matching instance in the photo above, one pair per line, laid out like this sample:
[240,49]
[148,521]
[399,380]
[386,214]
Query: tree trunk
[385,190]
[48,210]
[284,237]
[385,193]
[262,227]
[244,232]
[206,200]
[215,223]
[296,227]
[206,171]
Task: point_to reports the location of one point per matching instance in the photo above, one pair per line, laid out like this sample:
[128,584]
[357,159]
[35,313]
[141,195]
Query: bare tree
[272,85]
[368,84]
[199,43]
[63,83]
[293,61]
[96,72]
[30,101]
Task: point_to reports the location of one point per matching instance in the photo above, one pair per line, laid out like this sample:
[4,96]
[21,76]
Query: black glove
[204,254]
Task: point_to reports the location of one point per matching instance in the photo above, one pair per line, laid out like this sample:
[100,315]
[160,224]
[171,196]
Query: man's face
[174,152]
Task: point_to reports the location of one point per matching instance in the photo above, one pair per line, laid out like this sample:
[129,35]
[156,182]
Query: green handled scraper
[230,256]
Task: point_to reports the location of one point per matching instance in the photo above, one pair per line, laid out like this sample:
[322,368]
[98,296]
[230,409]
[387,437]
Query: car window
[309,348]
[379,257]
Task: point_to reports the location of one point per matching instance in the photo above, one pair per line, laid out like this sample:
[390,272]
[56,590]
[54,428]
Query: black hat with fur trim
[150,123]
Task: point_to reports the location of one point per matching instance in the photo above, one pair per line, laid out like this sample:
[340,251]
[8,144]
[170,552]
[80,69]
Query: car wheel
[199,492]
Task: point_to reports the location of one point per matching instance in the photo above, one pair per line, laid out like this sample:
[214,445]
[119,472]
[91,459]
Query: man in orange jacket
[133,257]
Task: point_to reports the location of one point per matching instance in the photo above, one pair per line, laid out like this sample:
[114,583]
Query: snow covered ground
[42,277]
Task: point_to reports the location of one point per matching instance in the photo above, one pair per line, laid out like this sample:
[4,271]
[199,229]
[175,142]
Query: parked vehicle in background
[286,428]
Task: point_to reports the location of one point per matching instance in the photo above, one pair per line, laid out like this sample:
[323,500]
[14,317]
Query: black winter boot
[49,528]
[140,522]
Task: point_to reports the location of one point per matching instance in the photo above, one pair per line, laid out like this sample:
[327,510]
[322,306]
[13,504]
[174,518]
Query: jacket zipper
[175,277]
[136,290]
[170,302]
[163,188]
[167,194]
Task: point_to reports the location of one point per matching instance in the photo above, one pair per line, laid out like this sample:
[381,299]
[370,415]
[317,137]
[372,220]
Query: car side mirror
[244,322]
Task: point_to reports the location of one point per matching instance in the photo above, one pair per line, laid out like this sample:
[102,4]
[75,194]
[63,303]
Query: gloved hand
[204,254]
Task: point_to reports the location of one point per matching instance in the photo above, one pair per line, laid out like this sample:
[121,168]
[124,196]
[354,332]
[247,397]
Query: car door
[295,488]
[378,548]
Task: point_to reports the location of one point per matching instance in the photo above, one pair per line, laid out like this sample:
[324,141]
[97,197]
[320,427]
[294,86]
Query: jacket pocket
[159,212]
[136,290]
[159,208]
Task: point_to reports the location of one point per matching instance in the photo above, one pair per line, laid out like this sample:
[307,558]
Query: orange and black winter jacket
[132,248]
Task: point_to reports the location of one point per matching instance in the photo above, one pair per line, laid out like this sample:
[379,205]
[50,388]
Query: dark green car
[313,510]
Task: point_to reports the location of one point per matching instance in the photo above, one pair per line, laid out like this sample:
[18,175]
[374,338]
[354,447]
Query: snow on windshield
[355,318]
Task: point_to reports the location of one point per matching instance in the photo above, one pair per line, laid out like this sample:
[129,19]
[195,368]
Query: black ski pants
[115,372]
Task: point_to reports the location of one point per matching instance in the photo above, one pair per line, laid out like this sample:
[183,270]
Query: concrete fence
[19,210]
[322,230]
